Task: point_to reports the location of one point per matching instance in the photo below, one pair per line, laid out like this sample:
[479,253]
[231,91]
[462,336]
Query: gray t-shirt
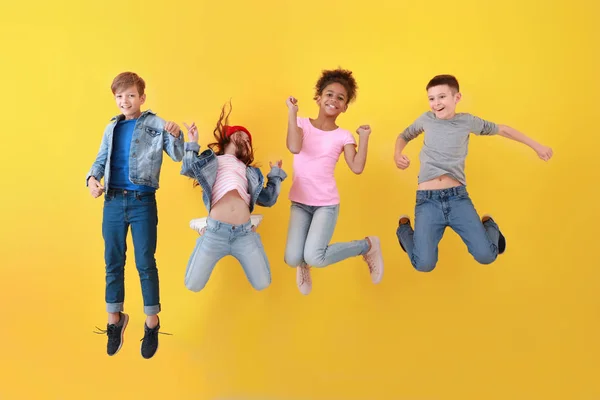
[446,143]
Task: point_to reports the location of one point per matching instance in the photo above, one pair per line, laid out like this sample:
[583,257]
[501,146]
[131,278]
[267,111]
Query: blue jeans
[309,233]
[437,209]
[220,240]
[122,209]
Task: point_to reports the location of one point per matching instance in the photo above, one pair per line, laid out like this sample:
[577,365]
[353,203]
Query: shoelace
[110,330]
[370,262]
[155,332]
[304,275]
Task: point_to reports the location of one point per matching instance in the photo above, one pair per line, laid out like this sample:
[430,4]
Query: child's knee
[426,264]
[485,258]
[262,284]
[195,285]
[425,267]
[293,260]
[314,259]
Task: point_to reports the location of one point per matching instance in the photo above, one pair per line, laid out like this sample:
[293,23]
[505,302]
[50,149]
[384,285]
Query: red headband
[230,130]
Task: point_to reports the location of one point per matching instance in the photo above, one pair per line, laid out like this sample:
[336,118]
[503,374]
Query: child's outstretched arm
[269,194]
[356,160]
[544,152]
[294,132]
[173,141]
[414,130]
[191,150]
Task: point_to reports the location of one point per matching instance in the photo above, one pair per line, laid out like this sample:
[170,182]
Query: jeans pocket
[146,198]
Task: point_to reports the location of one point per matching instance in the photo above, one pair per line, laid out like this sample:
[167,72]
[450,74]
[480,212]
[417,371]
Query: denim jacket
[145,157]
[203,168]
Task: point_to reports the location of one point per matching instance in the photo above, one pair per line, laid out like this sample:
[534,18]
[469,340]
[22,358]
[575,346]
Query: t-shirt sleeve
[482,127]
[303,124]
[348,139]
[414,130]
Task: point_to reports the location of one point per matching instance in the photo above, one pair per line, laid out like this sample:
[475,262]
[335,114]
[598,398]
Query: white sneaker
[303,279]
[256,219]
[199,224]
[374,260]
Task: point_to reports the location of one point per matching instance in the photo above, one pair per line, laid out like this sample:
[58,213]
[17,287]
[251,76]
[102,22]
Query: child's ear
[458,96]
[143,98]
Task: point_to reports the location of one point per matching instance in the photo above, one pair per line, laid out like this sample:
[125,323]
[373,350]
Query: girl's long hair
[243,153]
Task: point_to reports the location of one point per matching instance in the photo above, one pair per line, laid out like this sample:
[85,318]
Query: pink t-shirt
[313,181]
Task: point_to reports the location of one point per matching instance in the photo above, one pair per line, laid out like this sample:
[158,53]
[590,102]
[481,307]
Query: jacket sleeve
[97,169]
[269,194]
[189,157]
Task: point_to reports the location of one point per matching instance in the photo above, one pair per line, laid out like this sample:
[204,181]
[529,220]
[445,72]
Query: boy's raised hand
[192,132]
[402,161]
[96,189]
[172,128]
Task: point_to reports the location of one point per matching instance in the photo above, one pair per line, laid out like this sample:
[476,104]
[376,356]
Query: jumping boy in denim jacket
[130,159]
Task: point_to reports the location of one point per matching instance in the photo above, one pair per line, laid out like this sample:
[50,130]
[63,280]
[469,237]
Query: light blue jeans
[220,240]
[309,232]
[434,211]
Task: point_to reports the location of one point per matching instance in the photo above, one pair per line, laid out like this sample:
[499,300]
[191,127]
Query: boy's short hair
[127,79]
[439,80]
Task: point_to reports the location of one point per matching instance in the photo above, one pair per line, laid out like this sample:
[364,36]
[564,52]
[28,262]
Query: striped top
[231,175]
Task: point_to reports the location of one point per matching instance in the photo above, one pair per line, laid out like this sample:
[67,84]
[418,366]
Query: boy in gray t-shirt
[442,198]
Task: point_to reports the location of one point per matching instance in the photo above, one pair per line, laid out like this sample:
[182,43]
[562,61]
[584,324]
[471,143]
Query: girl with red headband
[317,145]
[231,187]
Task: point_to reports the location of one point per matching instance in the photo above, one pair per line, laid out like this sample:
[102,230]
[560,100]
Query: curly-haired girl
[317,145]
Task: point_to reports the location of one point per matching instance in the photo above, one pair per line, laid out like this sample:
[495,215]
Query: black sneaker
[115,333]
[150,340]
[501,238]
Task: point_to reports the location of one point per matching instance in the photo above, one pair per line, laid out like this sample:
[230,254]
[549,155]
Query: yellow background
[525,327]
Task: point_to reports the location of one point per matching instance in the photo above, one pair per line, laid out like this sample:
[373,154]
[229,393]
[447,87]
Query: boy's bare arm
[544,152]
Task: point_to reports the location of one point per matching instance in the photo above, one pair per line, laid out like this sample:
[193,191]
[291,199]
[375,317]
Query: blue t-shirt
[119,160]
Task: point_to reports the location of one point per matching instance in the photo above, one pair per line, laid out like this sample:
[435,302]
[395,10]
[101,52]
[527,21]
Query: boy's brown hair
[127,79]
[439,80]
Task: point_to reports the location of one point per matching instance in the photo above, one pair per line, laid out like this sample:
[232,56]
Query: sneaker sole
[501,243]
[399,219]
[126,320]
[378,243]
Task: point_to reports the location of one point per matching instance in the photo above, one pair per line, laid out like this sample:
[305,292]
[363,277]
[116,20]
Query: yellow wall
[523,328]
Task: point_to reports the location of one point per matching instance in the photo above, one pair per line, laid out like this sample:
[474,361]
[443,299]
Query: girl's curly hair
[342,76]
